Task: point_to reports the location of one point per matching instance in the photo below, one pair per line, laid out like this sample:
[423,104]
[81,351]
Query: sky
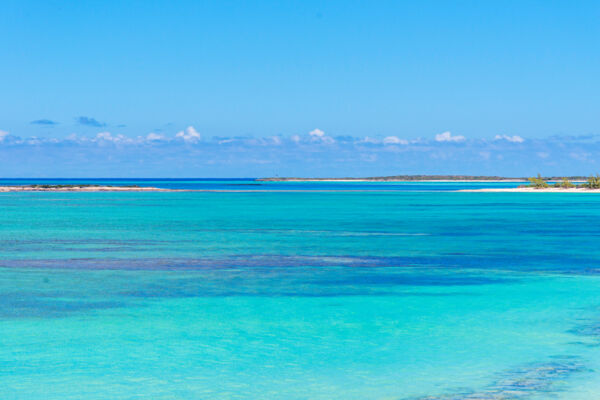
[298,88]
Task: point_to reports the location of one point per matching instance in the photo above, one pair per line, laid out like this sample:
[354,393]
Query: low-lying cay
[81,188]
[540,184]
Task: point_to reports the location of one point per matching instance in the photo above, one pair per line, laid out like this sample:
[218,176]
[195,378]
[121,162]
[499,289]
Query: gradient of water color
[394,291]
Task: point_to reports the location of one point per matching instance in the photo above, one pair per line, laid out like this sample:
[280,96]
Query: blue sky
[103,88]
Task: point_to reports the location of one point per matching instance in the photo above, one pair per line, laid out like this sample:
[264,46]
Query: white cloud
[368,139]
[318,135]
[514,139]
[190,135]
[447,137]
[369,157]
[394,140]
[154,136]
[312,153]
[108,137]
[581,156]
[104,136]
[225,141]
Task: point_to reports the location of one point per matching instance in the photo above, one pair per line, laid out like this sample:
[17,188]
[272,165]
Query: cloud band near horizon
[188,153]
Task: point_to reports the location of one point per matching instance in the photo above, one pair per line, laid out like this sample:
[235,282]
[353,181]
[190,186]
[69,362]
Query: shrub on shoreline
[538,183]
[593,182]
[565,184]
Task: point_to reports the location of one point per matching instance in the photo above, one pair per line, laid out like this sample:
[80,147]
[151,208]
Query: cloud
[108,137]
[190,135]
[394,140]
[368,139]
[317,135]
[151,137]
[103,138]
[87,121]
[485,155]
[447,137]
[226,140]
[104,135]
[581,156]
[183,154]
[44,122]
[513,139]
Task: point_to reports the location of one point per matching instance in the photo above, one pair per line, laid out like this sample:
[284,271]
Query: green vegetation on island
[593,182]
[539,182]
[565,184]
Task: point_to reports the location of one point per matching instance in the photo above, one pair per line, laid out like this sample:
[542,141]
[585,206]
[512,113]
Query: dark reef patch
[27,305]
[521,383]
[570,265]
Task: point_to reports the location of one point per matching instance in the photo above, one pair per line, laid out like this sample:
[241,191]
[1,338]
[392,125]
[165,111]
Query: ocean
[290,290]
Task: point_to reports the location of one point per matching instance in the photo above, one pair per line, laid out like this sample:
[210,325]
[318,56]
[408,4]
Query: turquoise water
[300,291]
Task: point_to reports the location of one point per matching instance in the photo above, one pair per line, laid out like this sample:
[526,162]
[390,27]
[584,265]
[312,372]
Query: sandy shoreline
[532,190]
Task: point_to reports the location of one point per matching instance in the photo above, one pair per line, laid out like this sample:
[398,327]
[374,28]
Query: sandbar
[58,188]
[533,190]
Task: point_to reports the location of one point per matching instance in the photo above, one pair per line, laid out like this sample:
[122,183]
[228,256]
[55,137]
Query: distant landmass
[82,188]
[401,178]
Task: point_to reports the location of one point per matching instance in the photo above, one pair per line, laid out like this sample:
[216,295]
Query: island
[417,178]
[540,184]
[82,188]
[529,189]
[551,184]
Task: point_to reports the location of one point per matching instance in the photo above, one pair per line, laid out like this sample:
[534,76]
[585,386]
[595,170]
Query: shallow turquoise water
[393,292]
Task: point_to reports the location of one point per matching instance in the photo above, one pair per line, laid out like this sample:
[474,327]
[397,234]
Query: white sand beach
[533,190]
